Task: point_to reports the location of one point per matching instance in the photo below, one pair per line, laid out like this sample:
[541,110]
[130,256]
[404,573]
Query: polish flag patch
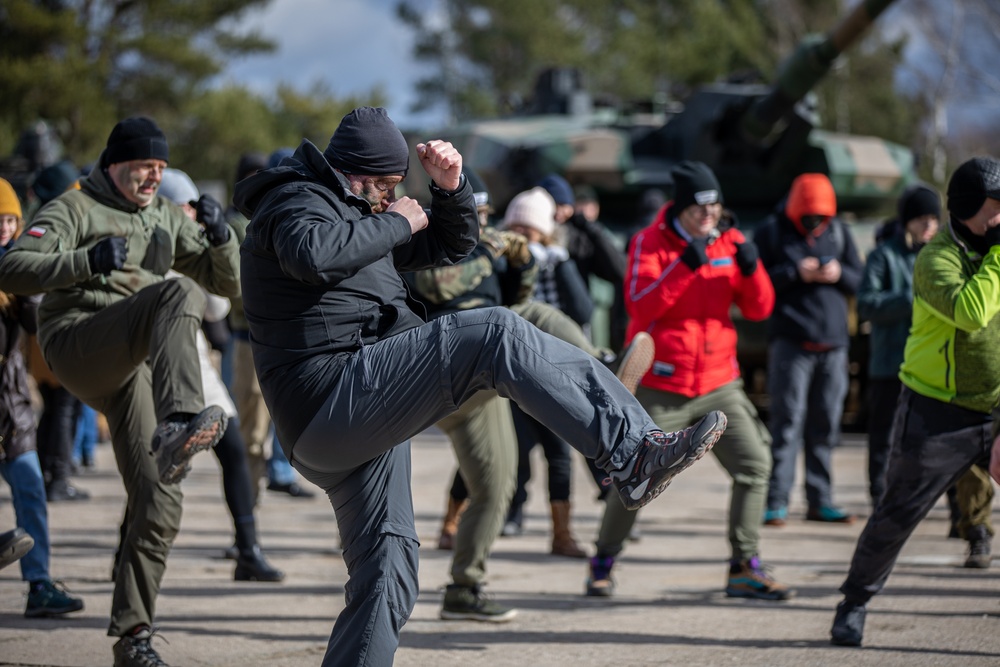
[37,232]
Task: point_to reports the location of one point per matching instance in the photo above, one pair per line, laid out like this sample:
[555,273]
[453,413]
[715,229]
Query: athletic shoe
[14,544]
[177,440]
[47,598]
[636,361]
[980,542]
[599,583]
[469,603]
[136,651]
[829,514]
[661,457]
[776,517]
[849,624]
[748,578]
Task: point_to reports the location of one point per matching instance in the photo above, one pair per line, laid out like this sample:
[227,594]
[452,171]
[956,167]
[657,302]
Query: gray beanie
[368,142]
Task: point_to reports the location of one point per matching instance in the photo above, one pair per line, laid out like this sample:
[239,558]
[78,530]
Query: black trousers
[932,445]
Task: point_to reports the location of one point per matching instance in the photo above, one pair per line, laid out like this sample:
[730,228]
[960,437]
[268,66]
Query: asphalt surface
[669,607]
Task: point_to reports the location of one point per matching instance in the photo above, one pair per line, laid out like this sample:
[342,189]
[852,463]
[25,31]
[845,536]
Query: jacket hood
[306,163]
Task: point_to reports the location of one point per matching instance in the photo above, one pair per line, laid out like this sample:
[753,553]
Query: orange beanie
[811,194]
[9,203]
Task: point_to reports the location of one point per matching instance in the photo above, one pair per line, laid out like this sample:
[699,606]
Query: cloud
[350,45]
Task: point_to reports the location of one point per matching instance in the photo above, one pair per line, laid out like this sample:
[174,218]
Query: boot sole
[18,547]
[240,575]
[707,432]
[757,595]
[47,611]
[205,431]
[637,361]
[482,618]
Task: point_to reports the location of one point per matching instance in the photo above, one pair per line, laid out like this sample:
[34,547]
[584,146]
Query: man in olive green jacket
[122,339]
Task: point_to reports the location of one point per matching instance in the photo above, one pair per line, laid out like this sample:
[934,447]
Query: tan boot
[446,541]
[563,543]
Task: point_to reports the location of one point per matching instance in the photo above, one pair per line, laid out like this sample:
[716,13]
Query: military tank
[757,137]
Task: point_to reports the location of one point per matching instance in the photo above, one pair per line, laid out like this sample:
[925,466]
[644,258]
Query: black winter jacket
[320,276]
[808,312]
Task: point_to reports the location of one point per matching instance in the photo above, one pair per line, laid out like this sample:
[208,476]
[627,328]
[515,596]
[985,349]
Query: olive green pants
[482,435]
[743,450]
[556,323]
[255,420]
[975,500]
[136,362]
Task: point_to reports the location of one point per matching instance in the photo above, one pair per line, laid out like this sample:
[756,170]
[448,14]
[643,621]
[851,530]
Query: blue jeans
[27,490]
[279,470]
[807,400]
[86,434]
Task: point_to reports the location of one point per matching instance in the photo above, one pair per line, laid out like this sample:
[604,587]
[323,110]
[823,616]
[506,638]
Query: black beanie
[368,142]
[971,184]
[136,138]
[918,200]
[694,183]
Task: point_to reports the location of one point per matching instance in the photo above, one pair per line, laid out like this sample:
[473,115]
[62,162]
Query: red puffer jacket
[687,312]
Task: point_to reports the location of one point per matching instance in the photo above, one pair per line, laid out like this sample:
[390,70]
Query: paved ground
[669,608]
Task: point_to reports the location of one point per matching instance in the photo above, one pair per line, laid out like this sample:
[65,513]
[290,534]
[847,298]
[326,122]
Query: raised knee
[187,294]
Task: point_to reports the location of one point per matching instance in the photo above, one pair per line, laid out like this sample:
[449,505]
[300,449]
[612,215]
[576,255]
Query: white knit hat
[534,208]
[178,187]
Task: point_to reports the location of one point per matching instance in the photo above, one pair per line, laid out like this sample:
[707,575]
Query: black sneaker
[661,457]
[294,489]
[980,547]
[469,603]
[136,651]
[848,624]
[47,598]
[176,441]
[14,544]
[60,490]
[599,582]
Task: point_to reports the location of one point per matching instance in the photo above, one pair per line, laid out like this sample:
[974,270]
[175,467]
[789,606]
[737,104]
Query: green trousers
[975,500]
[136,362]
[744,451]
[482,435]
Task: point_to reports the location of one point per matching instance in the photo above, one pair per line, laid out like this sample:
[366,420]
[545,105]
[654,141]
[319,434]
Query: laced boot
[180,436]
[980,543]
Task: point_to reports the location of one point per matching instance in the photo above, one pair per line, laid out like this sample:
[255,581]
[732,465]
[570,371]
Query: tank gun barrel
[806,67]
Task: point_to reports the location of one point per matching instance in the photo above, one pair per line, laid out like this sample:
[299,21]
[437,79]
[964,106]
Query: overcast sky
[352,45]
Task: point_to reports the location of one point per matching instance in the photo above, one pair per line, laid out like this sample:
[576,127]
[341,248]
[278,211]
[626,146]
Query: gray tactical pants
[399,386]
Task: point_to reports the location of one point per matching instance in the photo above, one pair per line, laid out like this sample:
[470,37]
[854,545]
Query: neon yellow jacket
[953,351]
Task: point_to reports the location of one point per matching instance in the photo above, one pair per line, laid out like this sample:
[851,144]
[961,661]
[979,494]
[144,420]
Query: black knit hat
[971,184]
[368,142]
[694,183]
[918,200]
[136,138]
[250,163]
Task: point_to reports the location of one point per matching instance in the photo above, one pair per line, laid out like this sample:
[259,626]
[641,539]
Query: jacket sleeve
[316,245]
[878,301]
[781,269]
[851,266]
[755,296]
[654,280]
[452,232]
[969,304]
[48,257]
[216,268]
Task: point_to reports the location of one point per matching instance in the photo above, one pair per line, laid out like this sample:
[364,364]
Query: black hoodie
[320,276]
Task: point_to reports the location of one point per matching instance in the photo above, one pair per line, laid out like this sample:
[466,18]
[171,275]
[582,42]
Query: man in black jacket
[350,372]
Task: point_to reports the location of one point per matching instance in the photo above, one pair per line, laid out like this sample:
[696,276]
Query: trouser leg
[27,493]
[422,375]
[375,518]
[789,373]
[559,463]
[236,485]
[458,491]
[822,432]
[153,513]
[933,444]
[883,395]
[482,435]
[974,493]
[255,422]
[527,436]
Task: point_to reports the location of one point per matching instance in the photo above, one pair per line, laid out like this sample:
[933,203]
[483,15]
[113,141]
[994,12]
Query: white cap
[534,208]
[178,187]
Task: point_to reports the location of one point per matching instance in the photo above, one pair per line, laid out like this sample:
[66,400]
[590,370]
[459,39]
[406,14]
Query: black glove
[746,258]
[695,255]
[993,235]
[107,255]
[208,212]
